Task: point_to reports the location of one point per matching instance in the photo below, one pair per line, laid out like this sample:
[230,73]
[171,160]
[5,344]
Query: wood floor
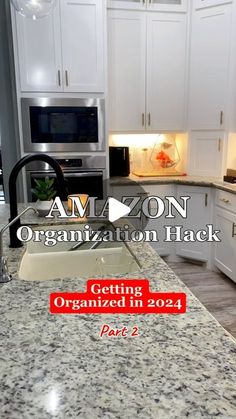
[214,290]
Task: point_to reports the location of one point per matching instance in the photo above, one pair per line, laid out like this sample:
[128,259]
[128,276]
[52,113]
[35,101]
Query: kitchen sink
[40,262]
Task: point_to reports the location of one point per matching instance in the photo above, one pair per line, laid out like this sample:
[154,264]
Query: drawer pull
[206,199]
[233,230]
[226,201]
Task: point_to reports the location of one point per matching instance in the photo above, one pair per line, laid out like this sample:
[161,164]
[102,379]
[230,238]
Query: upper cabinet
[147,71]
[38,53]
[127,66]
[159,5]
[166,71]
[209,66]
[64,51]
[82,45]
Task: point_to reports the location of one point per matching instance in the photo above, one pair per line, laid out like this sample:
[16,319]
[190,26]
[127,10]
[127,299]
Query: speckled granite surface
[181,366]
[176,180]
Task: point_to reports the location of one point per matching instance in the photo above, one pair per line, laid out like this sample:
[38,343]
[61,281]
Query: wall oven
[83,175]
[52,125]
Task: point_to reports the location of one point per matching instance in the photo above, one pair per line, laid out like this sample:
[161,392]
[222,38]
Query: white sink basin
[41,263]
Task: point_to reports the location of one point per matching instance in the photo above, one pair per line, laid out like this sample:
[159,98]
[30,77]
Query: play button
[117,210]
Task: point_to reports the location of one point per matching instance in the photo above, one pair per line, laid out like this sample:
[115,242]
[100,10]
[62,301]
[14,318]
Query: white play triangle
[117,210]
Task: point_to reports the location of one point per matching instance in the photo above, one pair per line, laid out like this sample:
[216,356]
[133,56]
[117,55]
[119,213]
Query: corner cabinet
[153,5]
[64,51]
[146,71]
[206,154]
[209,66]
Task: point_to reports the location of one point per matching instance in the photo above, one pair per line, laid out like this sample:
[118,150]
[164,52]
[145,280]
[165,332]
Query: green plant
[44,190]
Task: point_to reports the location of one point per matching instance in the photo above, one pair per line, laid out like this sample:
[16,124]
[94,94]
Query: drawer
[226,200]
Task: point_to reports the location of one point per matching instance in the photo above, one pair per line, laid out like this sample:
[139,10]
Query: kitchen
[152,84]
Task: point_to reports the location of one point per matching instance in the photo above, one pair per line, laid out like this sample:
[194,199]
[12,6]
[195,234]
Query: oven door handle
[67,175]
[83,174]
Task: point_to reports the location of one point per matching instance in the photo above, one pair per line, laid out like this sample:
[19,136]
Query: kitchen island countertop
[181,366]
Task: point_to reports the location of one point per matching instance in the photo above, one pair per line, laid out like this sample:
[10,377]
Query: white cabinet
[159,5]
[126,62]
[157,224]
[82,45]
[64,51]
[166,71]
[209,67]
[225,221]
[147,71]
[201,4]
[206,153]
[39,53]
[162,247]
[198,216]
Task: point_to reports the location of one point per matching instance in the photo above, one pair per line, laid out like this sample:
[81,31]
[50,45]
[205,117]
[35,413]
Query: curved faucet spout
[14,241]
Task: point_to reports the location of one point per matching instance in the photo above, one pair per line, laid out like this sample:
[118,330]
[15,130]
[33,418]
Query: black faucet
[14,241]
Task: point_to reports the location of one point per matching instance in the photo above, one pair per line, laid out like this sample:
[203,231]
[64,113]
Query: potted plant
[44,192]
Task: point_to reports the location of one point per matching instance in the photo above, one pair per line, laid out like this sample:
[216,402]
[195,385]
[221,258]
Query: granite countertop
[181,366]
[178,180]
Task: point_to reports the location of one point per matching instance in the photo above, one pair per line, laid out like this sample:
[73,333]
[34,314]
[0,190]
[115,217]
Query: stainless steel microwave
[63,124]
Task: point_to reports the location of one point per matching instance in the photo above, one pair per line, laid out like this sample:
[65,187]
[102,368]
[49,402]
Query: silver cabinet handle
[233,230]
[219,145]
[206,199]
[67,81]
[59,77]
[143,119]
[149,119]
[221,117]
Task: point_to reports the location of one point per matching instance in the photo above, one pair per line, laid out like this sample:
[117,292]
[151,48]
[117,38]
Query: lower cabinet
[158,224]
[225,251]
[198,216]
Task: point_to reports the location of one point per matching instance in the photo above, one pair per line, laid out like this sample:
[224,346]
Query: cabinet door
[158,224]
[209,67]
[82,45]
[126,70]
[168,5]
[166,71]
[201,4]
[39,53]
[127,4]
[206,153]
[198,216]
[225,251]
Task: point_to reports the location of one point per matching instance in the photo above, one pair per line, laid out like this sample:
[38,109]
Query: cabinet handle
[206,199]
[219,145]
[66,74]
[149,119]
[59,77]
[143,119]
[233,230]
[226,201]
[221,117]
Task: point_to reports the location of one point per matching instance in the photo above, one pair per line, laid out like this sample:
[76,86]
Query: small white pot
[43,207]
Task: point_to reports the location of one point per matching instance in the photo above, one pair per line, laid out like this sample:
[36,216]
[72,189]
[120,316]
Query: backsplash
[141,148]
